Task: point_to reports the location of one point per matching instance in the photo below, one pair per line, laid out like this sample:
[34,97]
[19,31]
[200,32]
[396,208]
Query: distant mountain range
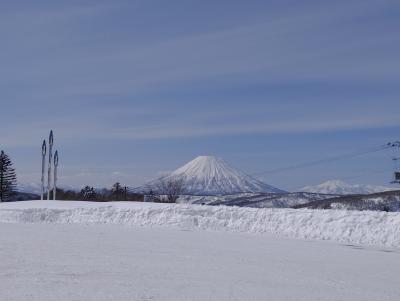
[207,175]
[382,201]
[30,187]
[213,177]
[343,188]
[258,200]
[36,188]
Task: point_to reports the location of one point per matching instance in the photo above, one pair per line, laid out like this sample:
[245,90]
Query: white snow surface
[343,188]
[208,175]
[75,262]
[353,227]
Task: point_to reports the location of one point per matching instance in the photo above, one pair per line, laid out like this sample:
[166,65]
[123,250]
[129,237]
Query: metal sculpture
[55,175]
[44,150]
[50,163]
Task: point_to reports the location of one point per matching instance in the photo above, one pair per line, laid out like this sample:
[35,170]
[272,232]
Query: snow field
[353,227]
[75,262]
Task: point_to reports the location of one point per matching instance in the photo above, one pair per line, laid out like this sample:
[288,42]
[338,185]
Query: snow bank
[353,227]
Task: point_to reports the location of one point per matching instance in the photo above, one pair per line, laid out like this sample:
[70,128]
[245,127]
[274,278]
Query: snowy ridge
[383,201]
[257,200]
[207,175]
[355,227]
[340,187]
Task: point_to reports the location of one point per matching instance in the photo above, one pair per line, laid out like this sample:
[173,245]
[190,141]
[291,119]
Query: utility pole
[55,175]
[50,162]
[396,159]
[44,150]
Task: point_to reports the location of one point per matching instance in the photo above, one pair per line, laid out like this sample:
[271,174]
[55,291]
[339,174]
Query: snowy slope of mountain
[342,188]
[207,175]
[257,200]
[382,201]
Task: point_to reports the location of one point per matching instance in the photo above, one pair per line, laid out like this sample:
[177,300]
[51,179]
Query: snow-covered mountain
[342,188]
[207,175]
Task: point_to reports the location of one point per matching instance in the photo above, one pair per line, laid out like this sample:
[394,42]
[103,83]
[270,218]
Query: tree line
[163,190]
[88,193]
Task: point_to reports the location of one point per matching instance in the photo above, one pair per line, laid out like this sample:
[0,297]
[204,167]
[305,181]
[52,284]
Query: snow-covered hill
[342,188]
[257,200]
[382,201]
[207,175]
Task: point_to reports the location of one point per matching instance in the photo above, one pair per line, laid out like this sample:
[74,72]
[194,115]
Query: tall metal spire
[44,150]
[50,162]
[55,175]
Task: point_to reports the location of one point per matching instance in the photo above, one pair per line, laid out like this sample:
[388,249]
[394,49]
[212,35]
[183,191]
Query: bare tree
[166,190]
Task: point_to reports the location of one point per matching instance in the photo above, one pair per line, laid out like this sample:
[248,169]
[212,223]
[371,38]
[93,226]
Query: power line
[325,160]
[386,170]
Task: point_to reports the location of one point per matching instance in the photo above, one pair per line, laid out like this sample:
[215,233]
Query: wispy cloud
[103,125]
[132,73]
[296,45]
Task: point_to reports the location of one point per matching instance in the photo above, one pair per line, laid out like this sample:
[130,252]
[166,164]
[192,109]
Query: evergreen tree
[8,178]
[117,191]
[88,193]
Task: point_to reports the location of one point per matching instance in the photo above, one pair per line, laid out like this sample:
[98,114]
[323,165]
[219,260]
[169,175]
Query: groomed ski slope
[352,227]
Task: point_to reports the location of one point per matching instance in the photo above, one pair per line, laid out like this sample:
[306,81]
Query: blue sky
[134,89]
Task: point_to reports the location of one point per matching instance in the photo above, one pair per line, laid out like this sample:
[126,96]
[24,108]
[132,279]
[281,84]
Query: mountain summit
[208,175]
[343,188]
